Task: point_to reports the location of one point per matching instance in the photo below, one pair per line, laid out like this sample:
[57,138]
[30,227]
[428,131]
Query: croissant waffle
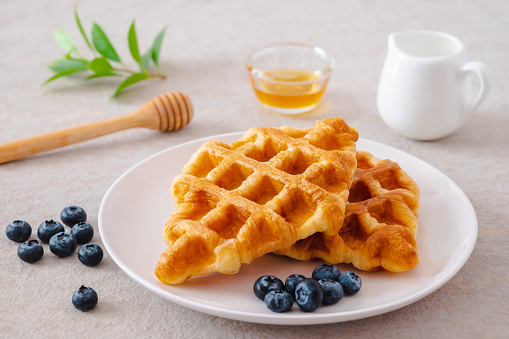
[235,202]
[380,222]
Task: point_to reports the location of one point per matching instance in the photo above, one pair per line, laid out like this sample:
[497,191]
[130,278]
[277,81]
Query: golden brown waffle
[235,202]
[380,225]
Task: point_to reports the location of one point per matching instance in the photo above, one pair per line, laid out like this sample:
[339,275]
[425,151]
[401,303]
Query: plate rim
[294,318]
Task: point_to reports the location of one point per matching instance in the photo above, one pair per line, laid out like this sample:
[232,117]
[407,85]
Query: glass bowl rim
[323,72]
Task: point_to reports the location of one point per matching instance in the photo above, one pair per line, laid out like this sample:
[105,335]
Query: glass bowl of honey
[289,78]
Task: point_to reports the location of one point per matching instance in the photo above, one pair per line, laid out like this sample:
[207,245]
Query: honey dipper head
[174,109]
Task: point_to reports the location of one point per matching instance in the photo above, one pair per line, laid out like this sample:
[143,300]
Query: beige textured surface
[203,55]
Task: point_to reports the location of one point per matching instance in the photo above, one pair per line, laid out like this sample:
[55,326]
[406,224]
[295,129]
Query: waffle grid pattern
[262,193]
[380,224]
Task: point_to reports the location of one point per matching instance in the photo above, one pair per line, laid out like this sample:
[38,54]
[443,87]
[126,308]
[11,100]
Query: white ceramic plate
[135,208]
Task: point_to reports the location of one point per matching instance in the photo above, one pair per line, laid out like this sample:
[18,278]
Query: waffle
[380,225]
[235,202]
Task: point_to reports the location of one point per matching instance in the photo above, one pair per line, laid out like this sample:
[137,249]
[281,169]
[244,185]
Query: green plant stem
[130,71]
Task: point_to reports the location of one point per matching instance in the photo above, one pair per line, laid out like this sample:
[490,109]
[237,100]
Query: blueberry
[351,282]
[326,272]
[309,294]
[90,254]
[30,251]
[18,231]
[265,284]
[49,228]
[62,244]
[332,291]
[278,301]
[84,298]
[292,281]
[83,232]
[71,215]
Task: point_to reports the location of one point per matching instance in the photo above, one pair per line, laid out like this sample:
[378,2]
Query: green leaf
[64,73]
[133,43]
[102,44]
[78,22]
[156,46]
[65,41]
[145,60]
[60,65]
[131,80]
[100,66]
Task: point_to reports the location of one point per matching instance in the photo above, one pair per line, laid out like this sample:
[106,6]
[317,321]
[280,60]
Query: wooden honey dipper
[167,112]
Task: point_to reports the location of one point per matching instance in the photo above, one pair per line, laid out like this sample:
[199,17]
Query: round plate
[135,208]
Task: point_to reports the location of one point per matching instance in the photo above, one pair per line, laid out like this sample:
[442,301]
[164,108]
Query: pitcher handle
[485,79]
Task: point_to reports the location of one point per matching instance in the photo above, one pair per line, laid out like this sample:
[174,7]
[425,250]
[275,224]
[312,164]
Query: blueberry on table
[18,231]
[71,215]
[292,281]
[265,284]
[30,251]
[83,232]
[332,291]
[278,301]
[326,272]
[49,228]
[90,254]
[84,298]
[351,282]
[309,294]
[63,244]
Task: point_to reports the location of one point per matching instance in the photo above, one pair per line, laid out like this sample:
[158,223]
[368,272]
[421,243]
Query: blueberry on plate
[84,298]
[265,284]
[278,301]
[326,272]
[71,215]
[309,295]
[351,282]
[30,251]
[63,244]
[332,291]
[292,281]
[90,254]
[18,231]
[49,228]
[83,232]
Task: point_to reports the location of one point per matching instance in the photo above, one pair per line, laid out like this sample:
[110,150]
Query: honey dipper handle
[45,142]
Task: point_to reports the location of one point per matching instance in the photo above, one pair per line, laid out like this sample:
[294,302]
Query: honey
[291,90]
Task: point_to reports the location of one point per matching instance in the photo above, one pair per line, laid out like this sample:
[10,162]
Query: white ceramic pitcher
[425,90]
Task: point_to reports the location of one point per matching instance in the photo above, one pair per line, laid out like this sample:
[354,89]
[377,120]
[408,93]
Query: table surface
[203,55]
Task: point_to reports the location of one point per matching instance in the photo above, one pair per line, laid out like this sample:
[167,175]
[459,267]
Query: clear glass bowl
[289,78]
